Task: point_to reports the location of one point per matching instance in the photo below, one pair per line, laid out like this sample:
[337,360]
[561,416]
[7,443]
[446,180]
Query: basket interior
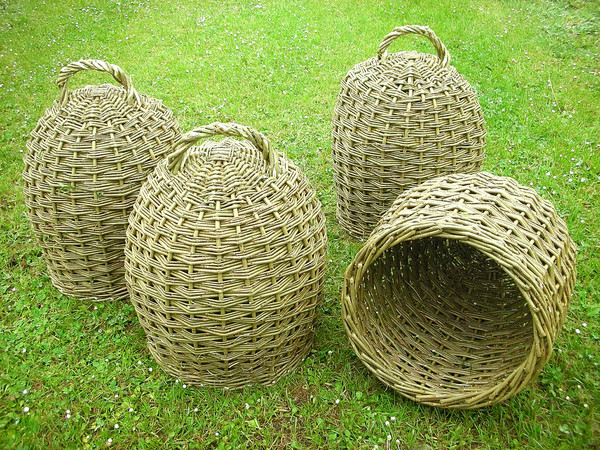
[444,316]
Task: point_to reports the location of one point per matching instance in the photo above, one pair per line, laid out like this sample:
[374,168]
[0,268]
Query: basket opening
[445,316]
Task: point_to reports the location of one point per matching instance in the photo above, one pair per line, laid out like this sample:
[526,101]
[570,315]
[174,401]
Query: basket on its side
[85,162]
[458,296]
[400,119]
[225,260]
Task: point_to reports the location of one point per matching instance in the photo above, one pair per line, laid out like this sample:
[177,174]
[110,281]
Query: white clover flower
[24,391]
[26,409]
[149,369]
[387,424]
[337,401]
[577,330]
[195,409]
[246,406]
[109,441]
[389,437]
[116,426]
[130,409]
[584,325]
[184,386]
[393,419]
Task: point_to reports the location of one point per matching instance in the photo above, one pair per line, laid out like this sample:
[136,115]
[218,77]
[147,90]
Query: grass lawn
[78,375]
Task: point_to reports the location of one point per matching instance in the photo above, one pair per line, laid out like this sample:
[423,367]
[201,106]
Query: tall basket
[85,162]
[225,260]
[458,296]
[400,119]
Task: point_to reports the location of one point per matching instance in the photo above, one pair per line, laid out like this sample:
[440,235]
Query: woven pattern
[400,119]
[457,297]
[225,260]
[85,162]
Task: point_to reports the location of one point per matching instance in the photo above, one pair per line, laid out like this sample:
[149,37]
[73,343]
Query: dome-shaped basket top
[401,119]
[457,297]
[225,260]
[408,72]
[132,97]
[85,162]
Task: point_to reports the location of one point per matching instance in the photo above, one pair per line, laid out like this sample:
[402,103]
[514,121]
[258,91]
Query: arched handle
[93,64]
[442,51]
[176,159]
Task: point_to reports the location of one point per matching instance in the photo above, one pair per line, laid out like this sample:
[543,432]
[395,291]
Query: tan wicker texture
[457,297]
[225,260]
[400,119]
[85,162]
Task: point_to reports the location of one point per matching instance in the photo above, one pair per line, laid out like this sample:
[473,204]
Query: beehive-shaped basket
[400,119]
[85,162]
[225,260]
[457,297]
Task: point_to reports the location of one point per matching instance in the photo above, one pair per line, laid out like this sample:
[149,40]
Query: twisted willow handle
[175,160]
[93,64]
[442,51]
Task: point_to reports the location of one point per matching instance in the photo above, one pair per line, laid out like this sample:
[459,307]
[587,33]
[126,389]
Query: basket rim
[353,276]
[381,240]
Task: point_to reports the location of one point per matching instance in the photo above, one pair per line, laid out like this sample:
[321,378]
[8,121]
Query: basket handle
[442,51]
[93,64]
[176,159]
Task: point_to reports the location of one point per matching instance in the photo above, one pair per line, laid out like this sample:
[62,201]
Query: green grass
[276,65]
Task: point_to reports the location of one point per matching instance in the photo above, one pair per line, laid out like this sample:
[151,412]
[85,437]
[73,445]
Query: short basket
[399,120]
[225,260]
[85,162]
[457,297]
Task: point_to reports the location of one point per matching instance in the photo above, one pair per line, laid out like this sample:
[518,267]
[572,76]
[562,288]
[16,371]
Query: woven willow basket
[457,297]
[400,119]
[225,260]
[85,162]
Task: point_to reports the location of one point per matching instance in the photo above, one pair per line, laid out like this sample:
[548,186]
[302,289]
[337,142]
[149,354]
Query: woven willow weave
[85,162]
[457,297]
[400,119]
[225,260]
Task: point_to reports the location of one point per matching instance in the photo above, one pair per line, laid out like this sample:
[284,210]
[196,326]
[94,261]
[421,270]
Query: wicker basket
[400,119]
[85,163]
[225,260]
[457,297]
